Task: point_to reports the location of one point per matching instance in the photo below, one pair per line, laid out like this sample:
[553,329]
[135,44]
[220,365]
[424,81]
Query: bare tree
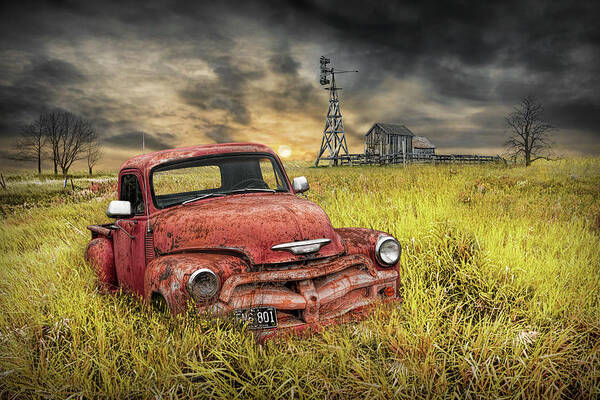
[529,133]
[94,154]
[31,144]
[52,130]
[69,137]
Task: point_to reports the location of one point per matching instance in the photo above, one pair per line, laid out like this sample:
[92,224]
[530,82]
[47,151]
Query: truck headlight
[203,285]
[387,251]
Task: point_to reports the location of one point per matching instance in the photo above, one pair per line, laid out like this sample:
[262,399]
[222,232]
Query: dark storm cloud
[465,54]
[55,72]
[293,92]
[535,33]
[219,133]
[468,137]
[284,63]
[33,91]
[295,96]
[18,104]
[226,93]
[451,45]
[455,46]
[488,119]
[582,113]
[153,141]
[208,96]
[453,82]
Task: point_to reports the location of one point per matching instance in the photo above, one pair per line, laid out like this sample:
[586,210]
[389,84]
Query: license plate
[258,317]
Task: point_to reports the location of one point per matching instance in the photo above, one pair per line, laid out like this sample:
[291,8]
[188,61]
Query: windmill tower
[334,138]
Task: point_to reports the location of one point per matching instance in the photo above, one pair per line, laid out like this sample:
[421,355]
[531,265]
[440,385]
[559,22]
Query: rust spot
[93,244]
[166,274]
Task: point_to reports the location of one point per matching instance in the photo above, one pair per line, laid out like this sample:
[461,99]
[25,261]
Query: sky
[187,73]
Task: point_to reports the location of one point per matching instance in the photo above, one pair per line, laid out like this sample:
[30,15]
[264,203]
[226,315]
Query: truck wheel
[159,303]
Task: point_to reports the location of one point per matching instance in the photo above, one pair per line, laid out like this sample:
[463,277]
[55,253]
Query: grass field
[501,286]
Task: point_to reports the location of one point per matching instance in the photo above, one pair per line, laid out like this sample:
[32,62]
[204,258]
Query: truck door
[130,262]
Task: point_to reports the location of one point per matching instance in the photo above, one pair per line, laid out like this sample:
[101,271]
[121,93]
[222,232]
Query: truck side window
[132,192]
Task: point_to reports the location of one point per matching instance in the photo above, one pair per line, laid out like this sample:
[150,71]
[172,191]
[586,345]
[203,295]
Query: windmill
[334,139]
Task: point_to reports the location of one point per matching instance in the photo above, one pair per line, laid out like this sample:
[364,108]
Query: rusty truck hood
[251,223]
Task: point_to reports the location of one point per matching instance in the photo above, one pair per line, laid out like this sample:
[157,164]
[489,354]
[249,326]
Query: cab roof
[148,161]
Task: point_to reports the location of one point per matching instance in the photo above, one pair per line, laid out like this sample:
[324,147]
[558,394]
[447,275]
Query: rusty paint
[181,267]
[359,240]
[313,271]
[100,230]
[292,330]
[306,288]
[280,298]
[99,253]
[232,236]
[251,223]
[338,285]
[320,293]
[166,273]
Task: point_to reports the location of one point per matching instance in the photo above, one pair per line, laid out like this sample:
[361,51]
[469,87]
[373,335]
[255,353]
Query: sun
[284,151]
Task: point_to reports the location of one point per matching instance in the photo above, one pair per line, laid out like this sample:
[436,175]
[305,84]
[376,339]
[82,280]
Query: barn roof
[421,142]
[392,129]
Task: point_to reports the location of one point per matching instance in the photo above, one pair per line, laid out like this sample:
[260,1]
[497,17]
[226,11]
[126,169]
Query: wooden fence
[370,159]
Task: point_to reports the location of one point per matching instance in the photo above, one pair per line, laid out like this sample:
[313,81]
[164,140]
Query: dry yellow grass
[501,275]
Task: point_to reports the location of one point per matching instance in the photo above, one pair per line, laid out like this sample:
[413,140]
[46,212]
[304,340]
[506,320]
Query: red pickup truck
[222,226]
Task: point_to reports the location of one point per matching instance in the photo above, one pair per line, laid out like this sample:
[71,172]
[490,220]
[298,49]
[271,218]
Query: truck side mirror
[300,184]
[119,209]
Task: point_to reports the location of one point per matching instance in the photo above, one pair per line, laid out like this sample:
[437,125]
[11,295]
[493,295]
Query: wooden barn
[422,146]
[384,139]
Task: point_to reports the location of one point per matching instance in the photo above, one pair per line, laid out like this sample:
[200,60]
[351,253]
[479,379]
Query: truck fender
[167,276]
[99,253]
[361,241]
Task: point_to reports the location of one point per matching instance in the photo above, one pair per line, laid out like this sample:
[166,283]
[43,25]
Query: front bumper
[305,329]
[318,294]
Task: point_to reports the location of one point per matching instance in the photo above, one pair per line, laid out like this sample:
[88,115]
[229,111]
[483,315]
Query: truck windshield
[193,180]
